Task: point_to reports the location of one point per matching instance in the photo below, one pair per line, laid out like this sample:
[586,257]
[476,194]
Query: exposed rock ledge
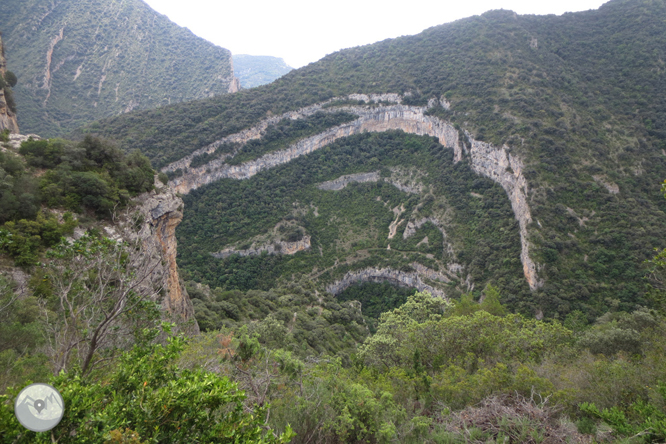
[487,160]
[343,181]
[407,279]
[507,170]
[410,119]
[414,225]
[281,247]
[258,130]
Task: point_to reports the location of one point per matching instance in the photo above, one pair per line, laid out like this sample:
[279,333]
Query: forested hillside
[82,60]
[442,238]
[577,99]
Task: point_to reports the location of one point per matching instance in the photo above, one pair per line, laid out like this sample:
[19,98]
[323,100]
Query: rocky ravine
[487,160]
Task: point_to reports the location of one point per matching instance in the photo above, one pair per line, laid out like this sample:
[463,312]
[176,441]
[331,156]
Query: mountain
[522,151]
[82,60]
[258,70]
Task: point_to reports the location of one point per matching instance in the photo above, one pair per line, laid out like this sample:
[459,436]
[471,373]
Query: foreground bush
[147,398]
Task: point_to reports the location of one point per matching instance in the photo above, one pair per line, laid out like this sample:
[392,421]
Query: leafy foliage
[93,174]
[293,319]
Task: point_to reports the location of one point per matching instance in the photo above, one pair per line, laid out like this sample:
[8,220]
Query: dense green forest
[104,58]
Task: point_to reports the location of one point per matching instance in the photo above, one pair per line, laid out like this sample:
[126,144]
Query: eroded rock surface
[507,170]
[7,116]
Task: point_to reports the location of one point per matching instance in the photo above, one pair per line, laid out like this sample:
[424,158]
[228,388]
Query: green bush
[11,78]
[147,393]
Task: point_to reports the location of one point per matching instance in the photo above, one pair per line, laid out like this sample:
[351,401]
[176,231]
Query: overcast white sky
[303,31]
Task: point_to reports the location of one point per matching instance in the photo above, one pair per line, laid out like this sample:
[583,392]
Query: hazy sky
[303,31]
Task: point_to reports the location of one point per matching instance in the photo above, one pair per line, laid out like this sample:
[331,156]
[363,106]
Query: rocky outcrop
[495,163]
[7,116]
[158,213]
[280,247]
[406,279]
[15,140]
[258,130]
[612,187]
[401,183]
[410,119]
[343,181]
[234,85]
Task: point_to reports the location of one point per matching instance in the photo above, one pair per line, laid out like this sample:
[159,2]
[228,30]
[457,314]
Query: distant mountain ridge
[258,70]
[83,60]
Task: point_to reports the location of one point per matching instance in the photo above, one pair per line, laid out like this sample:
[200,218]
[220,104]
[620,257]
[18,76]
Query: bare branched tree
[101,294]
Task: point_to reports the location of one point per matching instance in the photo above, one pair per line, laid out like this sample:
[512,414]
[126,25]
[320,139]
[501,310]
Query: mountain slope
[82,60]
[565,114]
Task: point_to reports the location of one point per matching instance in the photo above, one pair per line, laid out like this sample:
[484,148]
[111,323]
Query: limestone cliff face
[281,247]
[409,279]
[487,160]
[257,131]
[159,213]
[507,170]
[7,117]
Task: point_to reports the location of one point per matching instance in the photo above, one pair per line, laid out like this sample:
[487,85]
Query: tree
[100,296]
[11,78]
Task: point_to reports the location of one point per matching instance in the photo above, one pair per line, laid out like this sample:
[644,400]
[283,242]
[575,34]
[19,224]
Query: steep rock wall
[382,118]
[160,212]
[258,130]
[507,170]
